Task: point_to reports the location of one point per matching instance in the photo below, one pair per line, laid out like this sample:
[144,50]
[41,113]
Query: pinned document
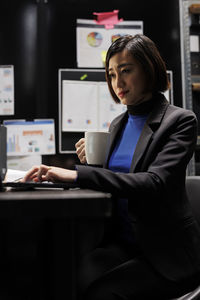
[93,39]
[6,90]
[93,111]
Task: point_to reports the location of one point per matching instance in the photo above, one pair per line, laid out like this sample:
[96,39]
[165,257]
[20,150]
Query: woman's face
[128,79]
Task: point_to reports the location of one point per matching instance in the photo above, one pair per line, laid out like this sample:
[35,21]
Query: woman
[151,249]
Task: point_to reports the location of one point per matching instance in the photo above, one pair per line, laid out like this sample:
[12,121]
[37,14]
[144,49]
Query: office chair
[193,190]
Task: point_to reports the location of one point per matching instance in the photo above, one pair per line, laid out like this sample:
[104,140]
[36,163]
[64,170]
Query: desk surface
[55,203]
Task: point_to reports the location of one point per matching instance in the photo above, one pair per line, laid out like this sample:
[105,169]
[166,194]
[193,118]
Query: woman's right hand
[80,150]
[47,173]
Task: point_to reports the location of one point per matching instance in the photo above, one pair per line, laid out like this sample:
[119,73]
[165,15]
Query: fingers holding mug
[80,150]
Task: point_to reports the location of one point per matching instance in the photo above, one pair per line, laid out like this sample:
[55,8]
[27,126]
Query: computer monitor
[28,138]
[85,104]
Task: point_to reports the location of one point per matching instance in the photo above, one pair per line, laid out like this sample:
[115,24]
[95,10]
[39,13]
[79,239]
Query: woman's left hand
[53,174]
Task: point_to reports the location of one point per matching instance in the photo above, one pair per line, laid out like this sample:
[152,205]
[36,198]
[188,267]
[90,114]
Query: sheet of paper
[93,40]
[6,90]
[30,137]
[88,105]
[13,175]
[79,105]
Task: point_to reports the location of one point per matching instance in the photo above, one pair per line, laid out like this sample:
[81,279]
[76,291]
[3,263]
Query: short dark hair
[144,50]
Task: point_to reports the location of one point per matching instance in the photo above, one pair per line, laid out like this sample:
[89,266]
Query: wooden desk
[43,231]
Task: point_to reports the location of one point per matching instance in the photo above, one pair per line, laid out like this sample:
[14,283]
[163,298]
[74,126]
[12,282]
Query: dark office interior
[38,37]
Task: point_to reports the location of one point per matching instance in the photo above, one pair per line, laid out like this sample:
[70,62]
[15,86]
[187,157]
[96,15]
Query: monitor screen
[35,137]
[85,104]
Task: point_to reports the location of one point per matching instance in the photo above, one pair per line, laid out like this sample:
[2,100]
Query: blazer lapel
[150,127]
[141,146]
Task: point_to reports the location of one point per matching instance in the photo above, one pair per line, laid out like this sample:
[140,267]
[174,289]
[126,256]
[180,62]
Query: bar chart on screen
[30,137]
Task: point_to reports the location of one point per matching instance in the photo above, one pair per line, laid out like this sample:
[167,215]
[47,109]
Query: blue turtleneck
[120,161]
[121,158]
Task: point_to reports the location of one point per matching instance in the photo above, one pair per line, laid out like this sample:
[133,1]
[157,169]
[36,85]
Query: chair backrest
[193,191]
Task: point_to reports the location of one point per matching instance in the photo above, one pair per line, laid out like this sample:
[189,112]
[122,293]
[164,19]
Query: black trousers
[111,273]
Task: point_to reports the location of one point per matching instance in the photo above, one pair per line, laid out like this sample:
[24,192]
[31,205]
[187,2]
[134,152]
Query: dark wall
[39,37]
[18,46]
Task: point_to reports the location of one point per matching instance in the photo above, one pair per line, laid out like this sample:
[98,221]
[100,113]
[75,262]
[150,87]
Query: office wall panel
[18,46]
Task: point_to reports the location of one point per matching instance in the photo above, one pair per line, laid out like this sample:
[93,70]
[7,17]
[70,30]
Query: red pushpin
[108,19]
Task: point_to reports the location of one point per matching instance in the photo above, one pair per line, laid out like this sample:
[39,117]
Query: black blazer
[163,223]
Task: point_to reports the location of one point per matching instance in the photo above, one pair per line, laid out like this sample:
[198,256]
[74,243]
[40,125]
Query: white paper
[87,106]
[79,103]
[194,43]
[6,90]
[30,138]
[93,39]
[13,175]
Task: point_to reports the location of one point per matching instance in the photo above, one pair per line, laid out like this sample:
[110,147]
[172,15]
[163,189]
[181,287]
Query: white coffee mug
[96,147]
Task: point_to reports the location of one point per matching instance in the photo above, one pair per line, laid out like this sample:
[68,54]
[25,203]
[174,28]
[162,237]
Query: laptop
[31,185]
[16,184]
